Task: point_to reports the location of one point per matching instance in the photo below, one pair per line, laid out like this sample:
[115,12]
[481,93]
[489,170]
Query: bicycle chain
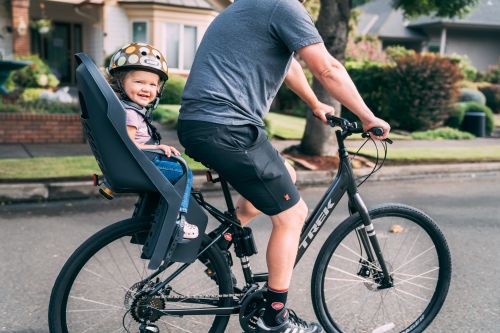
[167,298]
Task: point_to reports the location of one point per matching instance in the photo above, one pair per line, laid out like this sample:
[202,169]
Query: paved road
[35,241]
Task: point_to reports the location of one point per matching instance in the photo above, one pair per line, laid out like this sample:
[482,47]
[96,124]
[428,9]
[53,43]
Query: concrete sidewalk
[60,190]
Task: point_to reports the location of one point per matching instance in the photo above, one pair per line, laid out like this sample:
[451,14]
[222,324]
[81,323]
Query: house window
[140,32]
[181,45]
[433,47]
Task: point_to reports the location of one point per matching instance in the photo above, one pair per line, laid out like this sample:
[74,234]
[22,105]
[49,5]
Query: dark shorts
[244,157]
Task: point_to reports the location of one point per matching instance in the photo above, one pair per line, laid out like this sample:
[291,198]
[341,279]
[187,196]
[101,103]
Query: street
[36,240]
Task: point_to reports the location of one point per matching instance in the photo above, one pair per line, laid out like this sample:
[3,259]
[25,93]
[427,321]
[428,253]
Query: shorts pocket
[267,161]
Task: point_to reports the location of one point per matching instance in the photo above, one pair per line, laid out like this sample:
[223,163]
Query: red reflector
[209,176]
[228,236]
[95,179]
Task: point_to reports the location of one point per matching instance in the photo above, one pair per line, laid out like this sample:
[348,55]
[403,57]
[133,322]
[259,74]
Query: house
[477,34]
[100,27]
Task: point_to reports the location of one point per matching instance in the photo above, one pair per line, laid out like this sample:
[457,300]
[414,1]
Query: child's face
[141,86]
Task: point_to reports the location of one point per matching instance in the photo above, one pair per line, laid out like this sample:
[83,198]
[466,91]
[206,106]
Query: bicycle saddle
[128,170]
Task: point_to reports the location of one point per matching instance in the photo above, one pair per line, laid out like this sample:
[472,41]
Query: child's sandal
[190,231]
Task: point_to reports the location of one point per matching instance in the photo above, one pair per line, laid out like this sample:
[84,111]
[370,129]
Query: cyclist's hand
[169,150]
[377,122]
[320,110]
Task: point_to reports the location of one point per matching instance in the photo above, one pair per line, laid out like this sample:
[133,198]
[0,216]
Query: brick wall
[40,128]
[20,13]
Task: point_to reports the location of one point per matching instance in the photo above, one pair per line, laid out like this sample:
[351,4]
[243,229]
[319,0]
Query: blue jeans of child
[173,171]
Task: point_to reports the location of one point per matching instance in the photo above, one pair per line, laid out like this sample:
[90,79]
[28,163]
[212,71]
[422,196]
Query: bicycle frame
[342,183]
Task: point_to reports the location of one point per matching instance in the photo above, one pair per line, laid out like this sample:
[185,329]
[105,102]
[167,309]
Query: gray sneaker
[289,322]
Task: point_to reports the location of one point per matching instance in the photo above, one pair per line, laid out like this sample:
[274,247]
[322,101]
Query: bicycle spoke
[410,294]
[352,294]
[130,257]
[414,258]
[96,302]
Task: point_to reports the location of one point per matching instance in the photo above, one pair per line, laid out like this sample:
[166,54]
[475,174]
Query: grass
[285,126]
[497,120]
[41,168]
[438,154]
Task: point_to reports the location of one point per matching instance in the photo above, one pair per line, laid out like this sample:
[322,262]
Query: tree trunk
[333,26]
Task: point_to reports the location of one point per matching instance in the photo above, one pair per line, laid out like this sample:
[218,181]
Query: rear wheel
[99,289]
[346,290]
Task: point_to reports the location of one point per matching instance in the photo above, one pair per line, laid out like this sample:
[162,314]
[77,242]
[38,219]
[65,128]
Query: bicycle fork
[368,238]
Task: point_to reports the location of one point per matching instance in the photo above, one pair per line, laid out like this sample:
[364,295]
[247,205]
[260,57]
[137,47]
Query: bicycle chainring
[251,309]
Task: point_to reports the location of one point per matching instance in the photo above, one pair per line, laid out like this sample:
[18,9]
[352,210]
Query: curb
[65,190]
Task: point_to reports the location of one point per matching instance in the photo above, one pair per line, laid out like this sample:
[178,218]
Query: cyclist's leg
[283,245]
[246,210]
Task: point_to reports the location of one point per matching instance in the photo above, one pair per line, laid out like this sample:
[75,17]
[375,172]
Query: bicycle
[386,269]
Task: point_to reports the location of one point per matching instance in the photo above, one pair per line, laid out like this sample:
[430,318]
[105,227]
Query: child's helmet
[139,56]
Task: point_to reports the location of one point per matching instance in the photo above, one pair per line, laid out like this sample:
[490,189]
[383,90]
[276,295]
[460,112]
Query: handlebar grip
[377,131]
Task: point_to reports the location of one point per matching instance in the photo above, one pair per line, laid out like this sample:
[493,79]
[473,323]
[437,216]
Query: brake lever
[366,135]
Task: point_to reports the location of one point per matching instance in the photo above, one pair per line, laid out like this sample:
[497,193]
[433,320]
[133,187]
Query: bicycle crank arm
[197,311]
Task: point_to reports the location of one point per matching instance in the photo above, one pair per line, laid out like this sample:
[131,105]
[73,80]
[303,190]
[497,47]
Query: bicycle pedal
[148,328]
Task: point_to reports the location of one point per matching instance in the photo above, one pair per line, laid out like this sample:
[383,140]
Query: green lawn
[286,127]
[438,154]
[58,167]
[283,126]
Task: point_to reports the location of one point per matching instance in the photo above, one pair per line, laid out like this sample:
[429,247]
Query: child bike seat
[128,170]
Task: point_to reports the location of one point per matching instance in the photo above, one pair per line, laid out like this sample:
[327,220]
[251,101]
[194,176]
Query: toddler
[137,73]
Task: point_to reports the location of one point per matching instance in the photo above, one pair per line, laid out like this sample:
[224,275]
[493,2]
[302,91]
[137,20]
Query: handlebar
[352,127]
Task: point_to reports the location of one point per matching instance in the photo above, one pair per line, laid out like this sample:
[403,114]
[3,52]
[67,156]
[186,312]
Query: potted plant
[43,26]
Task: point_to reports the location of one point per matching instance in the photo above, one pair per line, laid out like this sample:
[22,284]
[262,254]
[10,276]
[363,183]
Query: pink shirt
[134,119]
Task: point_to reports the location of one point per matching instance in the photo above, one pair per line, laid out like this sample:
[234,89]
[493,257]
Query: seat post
[228,198]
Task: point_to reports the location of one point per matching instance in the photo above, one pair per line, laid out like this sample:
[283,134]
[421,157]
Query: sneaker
[288,322]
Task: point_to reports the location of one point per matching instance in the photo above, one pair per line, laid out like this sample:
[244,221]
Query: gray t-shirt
[243,60]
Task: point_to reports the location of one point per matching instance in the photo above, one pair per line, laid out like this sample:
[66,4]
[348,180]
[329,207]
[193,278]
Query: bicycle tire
[354,304]
[74,285]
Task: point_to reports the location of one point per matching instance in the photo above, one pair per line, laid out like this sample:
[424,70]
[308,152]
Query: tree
[333,26]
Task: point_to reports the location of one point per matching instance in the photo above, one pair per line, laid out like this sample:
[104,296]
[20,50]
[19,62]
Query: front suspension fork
[368,238]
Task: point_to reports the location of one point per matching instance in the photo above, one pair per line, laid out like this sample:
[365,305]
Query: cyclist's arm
[335,79]
[297,82]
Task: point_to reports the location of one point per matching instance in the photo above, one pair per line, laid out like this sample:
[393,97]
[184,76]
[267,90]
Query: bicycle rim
[98,290]
[418,259]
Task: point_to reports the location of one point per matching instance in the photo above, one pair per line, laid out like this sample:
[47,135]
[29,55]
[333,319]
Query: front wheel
[99,288]
[346,290]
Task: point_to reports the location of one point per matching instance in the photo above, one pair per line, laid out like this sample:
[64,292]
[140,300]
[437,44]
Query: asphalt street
[36,240]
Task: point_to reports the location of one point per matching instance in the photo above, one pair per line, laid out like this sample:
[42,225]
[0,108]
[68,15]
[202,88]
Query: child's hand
[169,150]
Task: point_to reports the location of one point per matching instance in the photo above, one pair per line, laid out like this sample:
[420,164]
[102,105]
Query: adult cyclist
[244,57]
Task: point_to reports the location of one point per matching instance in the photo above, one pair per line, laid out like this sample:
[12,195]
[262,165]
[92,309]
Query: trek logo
[321,219]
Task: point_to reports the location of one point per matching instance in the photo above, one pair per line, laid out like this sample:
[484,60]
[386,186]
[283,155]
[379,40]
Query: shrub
[287,102]
[468,71]
[456,116]
[493,74]
[395,52]
[365,48]
[166,116]
[11,108]
[370,81]
[41,106]
[419,91]
[471,95]
[173,89]
[31,94]
[36,75]
[477,107]
[445,133]
[492,94]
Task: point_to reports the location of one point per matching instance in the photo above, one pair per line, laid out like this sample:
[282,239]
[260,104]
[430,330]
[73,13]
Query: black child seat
[128,170]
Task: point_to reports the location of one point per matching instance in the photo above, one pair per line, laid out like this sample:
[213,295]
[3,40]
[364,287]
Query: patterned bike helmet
[139,56]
